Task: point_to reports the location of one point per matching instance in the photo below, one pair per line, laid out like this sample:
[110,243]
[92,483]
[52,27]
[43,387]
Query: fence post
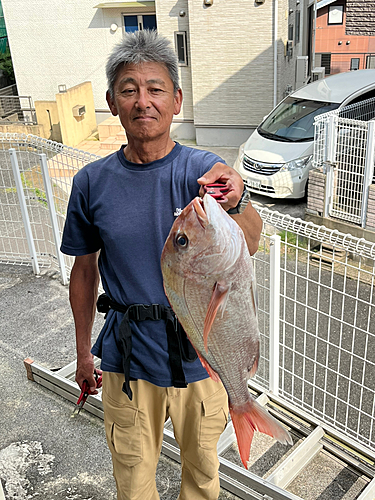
[274,313]
[331,145]
[24,212]
[53,217]
[369,169]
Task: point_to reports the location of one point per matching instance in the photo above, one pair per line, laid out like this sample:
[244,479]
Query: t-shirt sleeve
[208,161]
[80,235]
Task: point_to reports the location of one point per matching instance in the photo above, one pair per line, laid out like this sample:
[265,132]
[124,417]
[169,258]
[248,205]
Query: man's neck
[145,152]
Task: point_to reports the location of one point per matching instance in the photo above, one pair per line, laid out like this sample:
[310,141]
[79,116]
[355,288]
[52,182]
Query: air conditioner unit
[318,73]
[79,110]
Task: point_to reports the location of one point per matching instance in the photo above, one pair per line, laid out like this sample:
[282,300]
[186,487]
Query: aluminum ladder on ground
[310,438]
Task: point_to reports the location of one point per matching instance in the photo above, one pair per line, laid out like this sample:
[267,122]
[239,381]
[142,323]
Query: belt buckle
[143,312]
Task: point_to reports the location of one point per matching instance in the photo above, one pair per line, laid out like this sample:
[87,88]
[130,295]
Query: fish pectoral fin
[215,377]
[218,300]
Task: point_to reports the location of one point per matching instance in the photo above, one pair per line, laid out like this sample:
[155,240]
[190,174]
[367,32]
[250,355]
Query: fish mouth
[200,212]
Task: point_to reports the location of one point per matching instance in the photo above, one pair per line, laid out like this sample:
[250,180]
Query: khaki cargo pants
[134,431]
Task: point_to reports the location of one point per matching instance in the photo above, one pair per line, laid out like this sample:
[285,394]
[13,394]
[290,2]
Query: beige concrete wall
[232,61]
[75,129]
[169,21]
[13,128]
[47,116]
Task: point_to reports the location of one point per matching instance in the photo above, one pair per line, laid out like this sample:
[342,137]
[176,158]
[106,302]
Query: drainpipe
[275,19]
[314,37]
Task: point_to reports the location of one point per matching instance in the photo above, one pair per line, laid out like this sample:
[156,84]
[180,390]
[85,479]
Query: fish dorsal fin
[218,300]
[215,377]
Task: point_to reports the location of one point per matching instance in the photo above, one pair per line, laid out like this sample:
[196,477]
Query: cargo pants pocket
[214,419]
[126,438]
[123,431]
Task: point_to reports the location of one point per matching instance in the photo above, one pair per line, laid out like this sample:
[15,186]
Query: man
[120,212]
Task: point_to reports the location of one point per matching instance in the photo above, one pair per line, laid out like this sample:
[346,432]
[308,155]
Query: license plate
[253,183]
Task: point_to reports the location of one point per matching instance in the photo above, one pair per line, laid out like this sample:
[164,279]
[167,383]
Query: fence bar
[369,492]
[24,212]
[369,169]
[275,245]
[53,217]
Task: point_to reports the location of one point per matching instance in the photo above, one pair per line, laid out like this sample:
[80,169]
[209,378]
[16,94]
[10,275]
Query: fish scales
[210,283]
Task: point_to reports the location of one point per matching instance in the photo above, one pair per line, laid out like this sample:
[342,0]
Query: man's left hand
[228,176]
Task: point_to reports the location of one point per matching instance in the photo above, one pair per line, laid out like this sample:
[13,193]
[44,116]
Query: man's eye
[127,91]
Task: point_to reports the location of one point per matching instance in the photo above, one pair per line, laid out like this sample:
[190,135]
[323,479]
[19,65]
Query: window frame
[351,63]
[184,35]
[338,7]
[139,19]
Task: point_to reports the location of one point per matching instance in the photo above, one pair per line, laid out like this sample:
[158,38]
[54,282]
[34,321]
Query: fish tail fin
[251,417]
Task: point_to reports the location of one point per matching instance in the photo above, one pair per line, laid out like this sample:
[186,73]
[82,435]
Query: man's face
[144,100]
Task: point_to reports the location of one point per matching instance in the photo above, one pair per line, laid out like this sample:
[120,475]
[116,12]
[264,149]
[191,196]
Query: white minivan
[276,159]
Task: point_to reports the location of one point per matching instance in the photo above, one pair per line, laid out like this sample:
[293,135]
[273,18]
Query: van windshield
[293,119]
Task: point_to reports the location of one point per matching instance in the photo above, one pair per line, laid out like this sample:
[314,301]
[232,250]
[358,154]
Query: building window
[335,14]
[370,61]
[139,22]
[181,47]
[354,63]
[298,26]
[326,63]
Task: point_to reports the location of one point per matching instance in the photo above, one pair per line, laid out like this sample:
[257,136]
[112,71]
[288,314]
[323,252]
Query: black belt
[179,347]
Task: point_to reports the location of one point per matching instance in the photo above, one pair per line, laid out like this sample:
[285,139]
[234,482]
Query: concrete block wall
[316,191]
[370,219]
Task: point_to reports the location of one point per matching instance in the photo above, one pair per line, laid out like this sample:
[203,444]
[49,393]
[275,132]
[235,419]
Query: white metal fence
[315,285]
[344,146]
[30,224]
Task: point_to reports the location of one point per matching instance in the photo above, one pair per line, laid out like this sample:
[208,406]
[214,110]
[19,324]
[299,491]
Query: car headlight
[294,164]
[239,159]
[241,152]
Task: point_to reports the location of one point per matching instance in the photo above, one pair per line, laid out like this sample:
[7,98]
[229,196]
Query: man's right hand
[85,371]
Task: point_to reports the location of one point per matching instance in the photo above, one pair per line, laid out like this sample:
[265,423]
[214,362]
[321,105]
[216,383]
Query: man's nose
[143,101]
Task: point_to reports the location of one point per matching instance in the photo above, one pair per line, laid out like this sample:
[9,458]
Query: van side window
[363,97]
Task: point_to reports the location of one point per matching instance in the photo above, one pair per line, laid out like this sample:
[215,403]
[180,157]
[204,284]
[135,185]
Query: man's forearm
[83,293]
[251,224]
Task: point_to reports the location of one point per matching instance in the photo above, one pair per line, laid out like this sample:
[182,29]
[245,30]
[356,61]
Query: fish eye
[182,240]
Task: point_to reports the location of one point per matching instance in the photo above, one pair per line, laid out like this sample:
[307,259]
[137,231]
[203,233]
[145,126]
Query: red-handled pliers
[217,190]
[85,391]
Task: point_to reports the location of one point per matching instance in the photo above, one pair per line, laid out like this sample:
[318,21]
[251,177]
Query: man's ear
[111,104]
[177,102]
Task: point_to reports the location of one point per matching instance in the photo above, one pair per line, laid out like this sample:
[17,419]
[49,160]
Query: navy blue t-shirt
[126,211]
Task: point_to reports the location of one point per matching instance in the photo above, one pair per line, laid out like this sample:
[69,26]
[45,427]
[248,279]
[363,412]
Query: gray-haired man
[120,212]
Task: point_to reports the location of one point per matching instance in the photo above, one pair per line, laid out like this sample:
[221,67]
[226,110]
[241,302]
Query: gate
[344,147]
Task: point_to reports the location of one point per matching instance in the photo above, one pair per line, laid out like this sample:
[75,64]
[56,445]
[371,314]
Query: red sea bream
[209,281]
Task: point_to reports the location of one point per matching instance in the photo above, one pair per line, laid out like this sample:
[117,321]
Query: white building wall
[232,67]
[55,42]
[170,20]
[228,85]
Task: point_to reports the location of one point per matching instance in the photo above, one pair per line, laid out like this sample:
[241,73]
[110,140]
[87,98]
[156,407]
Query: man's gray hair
[138,47]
